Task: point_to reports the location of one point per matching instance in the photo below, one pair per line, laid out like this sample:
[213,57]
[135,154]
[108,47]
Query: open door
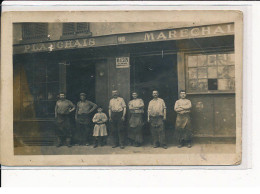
[156,72]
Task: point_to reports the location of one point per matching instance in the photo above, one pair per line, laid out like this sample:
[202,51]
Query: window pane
[53,91]
[50,108]
[212,60]
[52,72]
[193,85]
[202,60]
[202,85]
[223,59]
[41,109]
[192,61]
[212,72]
[226,59]
[231,59]
[226,84]
[27,92]
[212,84]
[226,71]
[40,92]
[40,73]
[202,72]
[193,73]
[27,74]
[27,110]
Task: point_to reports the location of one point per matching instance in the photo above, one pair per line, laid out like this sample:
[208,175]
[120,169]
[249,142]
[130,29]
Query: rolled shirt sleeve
[123,103]
[163,104]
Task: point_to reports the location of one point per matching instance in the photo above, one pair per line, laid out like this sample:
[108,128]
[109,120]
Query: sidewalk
[147,149]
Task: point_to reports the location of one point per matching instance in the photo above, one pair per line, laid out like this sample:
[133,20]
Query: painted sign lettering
[60,45]
[139,37]
[196,32]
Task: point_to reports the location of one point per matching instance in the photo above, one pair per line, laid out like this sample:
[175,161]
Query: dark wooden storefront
[78,69]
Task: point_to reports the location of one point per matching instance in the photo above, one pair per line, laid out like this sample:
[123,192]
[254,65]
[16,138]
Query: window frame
[32,84]
[34,36]
[186,68]
[75,31]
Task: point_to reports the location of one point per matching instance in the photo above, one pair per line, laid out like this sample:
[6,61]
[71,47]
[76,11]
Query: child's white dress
[100,128]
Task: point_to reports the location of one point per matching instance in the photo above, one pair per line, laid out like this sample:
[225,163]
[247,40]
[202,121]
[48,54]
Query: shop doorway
[156,72]
[81,78]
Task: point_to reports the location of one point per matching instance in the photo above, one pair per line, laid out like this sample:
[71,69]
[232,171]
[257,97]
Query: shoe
[122,147]
[69,145]
[87,144]
[95,145]
[114,146]
[155,146]
[189,145]
[165,146]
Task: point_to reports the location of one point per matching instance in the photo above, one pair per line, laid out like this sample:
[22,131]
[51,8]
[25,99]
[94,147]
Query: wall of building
[108,28]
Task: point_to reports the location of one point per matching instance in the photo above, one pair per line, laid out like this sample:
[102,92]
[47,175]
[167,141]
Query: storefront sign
[178,34]
[122,62]
[139,37]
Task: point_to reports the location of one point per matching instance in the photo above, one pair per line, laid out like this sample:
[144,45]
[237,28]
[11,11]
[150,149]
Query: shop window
[39,90]
[208,73]
[31,31]
[212,84]
[75,28]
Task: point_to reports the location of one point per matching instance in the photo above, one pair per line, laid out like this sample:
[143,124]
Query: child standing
[100,129]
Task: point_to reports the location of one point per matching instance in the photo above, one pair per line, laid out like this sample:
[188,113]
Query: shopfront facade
[198,59]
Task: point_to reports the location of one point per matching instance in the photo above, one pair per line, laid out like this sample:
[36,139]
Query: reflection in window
[39,90]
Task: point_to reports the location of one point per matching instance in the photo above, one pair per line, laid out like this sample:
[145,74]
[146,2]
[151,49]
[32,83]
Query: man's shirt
[64,106]
[182,104]
[156,107]
[136,103]
[117,104]
[83,107]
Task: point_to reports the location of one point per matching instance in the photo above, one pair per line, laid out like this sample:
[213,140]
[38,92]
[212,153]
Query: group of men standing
[156,115]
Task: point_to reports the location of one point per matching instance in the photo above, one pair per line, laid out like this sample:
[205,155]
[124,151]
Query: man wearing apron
[83,120]
[183,120]
[63,109]
[136,108]
[156,118]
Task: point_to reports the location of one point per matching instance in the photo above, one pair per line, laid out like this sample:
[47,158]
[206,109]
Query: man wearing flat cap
[83,120]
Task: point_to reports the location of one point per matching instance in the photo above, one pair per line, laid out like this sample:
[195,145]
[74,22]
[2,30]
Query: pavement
[146,149]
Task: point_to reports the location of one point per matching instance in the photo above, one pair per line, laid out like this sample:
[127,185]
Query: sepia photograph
[140,89]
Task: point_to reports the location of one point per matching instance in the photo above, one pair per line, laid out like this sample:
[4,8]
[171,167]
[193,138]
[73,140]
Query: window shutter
[34,30]
[82,27]
[75,28]
[68,28]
